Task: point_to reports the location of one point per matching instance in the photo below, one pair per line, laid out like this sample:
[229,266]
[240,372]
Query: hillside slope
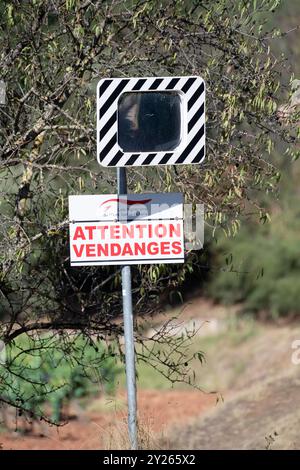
[261,407]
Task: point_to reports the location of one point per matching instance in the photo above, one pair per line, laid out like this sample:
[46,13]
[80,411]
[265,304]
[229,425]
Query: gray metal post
[128,335]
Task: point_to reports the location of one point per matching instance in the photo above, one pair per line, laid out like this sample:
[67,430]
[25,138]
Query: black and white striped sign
[191,148]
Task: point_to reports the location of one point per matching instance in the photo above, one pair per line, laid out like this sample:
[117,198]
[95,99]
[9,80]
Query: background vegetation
[41,372]
[260,269]
[52,55]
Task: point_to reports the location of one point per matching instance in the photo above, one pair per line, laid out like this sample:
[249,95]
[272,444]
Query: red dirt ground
[158,411]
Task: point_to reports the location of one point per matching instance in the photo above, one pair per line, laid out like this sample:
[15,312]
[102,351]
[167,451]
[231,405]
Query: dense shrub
[262,267]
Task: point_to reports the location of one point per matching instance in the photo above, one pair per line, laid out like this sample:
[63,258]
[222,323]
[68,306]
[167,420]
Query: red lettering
[165,248]
[128,231]
[140,249]
[102,229]
[90,229]
[153,248]
[102,249]
[175,230]
[115,249]
[114,231]
[79,233]
[176,248]
[160,230]
[78,250]
[90,250]
[141,228]
[127,250]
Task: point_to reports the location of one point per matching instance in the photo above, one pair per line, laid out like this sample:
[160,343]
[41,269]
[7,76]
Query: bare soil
[261,408]
[159,411]
[265,417]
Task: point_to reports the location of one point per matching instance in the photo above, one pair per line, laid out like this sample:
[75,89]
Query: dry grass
[116,436]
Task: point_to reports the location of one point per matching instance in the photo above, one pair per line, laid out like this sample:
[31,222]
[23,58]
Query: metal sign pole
[128,334]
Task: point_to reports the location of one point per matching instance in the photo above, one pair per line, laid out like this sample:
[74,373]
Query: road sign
[126,229]
[150,121]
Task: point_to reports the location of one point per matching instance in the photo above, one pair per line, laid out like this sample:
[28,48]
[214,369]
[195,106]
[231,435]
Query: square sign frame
[191,149]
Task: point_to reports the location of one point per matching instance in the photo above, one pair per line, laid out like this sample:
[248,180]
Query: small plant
[270,440]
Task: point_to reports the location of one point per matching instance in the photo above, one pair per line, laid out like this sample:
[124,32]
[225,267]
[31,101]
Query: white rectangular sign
[129,229]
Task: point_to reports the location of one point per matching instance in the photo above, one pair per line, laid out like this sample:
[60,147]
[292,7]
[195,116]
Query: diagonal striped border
[192,147]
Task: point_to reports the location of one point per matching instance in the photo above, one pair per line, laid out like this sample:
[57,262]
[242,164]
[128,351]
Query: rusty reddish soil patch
[172,407]
[159,410]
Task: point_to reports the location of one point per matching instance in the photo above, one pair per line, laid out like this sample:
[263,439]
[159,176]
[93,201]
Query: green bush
[262,269]
[49,371]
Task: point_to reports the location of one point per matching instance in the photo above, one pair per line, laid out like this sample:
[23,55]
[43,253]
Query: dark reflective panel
[149,121]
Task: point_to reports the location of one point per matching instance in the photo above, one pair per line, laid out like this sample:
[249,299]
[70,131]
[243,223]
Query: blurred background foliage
[261,265]
[44,376]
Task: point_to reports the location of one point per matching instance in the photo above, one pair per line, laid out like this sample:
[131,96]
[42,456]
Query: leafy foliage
[263,275]
[40,372]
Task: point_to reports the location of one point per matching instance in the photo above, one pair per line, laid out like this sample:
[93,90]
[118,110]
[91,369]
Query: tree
[52,55]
